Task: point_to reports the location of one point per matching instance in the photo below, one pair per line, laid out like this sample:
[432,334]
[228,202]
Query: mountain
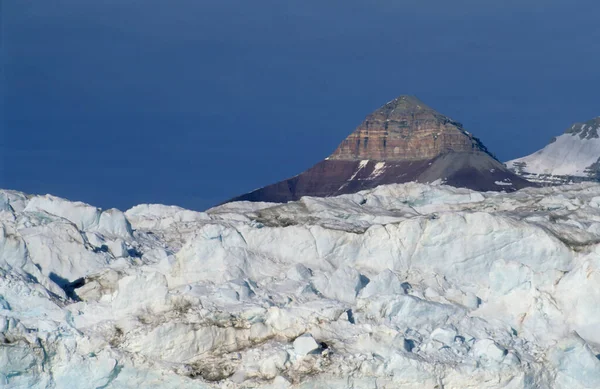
[405,140]
[409,286]
[571,157]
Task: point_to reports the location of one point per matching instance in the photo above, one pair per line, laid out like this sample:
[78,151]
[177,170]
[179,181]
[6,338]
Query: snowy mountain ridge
[571,157]
[411,286]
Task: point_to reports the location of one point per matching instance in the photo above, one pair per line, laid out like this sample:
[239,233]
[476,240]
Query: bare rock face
[405,129]
[405,140]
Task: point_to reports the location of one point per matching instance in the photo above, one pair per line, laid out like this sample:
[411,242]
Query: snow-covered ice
[402,286]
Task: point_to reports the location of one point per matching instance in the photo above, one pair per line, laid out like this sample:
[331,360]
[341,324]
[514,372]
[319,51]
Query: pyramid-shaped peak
[408,102]
[404,140]
[406,129]
[407,109]
[404,105]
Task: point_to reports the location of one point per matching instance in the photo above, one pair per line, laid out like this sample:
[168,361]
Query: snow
[378,170]
[411,286]
[439,181]
[361,166]
[304,344]
[82,215]
[569,155]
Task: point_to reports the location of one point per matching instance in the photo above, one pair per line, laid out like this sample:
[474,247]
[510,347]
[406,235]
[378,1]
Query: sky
[192,102]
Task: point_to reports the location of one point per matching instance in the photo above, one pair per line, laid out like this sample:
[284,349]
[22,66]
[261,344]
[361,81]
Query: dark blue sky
[191,102]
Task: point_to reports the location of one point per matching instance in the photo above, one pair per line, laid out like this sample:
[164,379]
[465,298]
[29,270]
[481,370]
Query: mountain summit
[405,129]
[404,140]
[573,156]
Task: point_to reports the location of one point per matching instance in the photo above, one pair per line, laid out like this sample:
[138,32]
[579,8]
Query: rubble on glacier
[401,286]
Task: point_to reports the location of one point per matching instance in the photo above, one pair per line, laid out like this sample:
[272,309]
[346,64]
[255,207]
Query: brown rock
[405,140]
[405,129]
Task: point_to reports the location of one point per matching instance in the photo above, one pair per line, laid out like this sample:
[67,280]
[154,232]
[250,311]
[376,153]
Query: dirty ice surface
[403,286]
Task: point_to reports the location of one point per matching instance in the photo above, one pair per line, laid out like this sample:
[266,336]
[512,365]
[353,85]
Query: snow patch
[378,170]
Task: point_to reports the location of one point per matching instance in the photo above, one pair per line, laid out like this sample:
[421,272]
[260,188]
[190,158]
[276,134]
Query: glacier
[400,286]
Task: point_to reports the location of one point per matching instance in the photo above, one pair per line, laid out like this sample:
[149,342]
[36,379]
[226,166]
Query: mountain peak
[573,156]
[402,141]
[405,129]
[407,102]
[402,106]
[586,130]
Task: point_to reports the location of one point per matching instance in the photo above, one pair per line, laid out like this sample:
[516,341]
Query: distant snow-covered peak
[587,130]
[571,157]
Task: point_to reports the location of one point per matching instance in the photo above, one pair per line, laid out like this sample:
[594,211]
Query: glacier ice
[411,286]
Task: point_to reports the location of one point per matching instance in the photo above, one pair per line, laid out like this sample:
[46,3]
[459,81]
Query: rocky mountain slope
[401,286]
[405,140]
[572,157]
